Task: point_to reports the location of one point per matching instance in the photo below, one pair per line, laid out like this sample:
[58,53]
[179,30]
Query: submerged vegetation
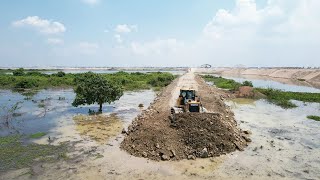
[22,79]
[275,96]
[15,154]
[316,118]
[37,135]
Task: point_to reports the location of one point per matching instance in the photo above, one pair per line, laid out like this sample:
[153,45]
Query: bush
[35,73]
[247,83]
[18,72]
[61,74]
[27,83]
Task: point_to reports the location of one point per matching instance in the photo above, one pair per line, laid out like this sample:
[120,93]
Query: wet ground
[277,83]
[285,144]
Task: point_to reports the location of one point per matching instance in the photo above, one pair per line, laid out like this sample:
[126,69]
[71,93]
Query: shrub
[18,72]
[247,83]
[27,83]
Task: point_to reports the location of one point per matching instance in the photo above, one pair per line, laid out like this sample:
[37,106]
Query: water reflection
[50,109]
[283,84]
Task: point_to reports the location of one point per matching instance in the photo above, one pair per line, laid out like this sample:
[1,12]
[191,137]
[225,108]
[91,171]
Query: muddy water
[277,83]
[51,111]
[284,143]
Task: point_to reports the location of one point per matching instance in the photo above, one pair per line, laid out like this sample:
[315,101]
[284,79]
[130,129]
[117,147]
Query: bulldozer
[188,101]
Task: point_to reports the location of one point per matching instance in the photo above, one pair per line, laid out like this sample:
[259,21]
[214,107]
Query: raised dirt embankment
[152,135]
[311,76]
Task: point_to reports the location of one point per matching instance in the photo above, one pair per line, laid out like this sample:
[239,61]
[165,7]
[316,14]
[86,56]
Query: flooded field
[277,83]
[285,144]
[49,110]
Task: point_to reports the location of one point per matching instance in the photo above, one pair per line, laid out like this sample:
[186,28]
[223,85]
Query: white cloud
[91,2]
[42,25]
[124,28]
[55,41]
[118,38]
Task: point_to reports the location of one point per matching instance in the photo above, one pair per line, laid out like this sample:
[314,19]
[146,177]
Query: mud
[98,127]
[153,136]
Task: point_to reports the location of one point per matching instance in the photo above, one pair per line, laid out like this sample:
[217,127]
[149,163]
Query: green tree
[94,88]
[18,72]
[247,83]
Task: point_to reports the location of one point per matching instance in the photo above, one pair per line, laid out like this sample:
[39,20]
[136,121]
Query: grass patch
[316,118]
[37,135]
[275,96]
[224,83]
[282,98]
[14,154]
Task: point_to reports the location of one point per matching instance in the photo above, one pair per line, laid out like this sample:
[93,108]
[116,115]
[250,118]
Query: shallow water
[44,112]
[284,142]
[283,84]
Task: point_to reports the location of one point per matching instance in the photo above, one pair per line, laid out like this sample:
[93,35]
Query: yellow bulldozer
[188,101]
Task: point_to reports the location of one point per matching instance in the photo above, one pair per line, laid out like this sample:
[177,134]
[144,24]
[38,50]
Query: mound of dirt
[154,136]
[207,134]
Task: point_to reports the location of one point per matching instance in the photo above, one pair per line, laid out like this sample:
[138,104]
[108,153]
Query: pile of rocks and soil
[192,135]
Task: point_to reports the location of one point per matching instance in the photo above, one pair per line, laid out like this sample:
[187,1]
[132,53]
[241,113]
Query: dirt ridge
[152,135]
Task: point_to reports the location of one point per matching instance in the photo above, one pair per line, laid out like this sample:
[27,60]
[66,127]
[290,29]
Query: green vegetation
[275,96]
[94,88]
[22,80]
[14,154]
[316,118]
[282,98]
[223,83]
[37,135]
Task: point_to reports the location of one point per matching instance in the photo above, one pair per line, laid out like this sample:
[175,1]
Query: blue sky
[159,33]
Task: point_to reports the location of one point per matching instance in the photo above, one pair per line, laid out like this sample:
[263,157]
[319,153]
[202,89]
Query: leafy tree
[247,83]
[94,88]
[18,72]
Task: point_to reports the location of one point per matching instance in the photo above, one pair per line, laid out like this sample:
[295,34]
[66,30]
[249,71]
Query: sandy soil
[311,76]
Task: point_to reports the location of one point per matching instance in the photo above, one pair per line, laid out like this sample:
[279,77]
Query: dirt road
[153,136]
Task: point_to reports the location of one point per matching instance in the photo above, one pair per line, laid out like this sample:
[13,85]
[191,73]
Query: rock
[124,131]
[191,157]
[247,139]
[204,153]
[144,154]
[140,105]
[165,157]
[247,132]
[173,153]
[157,145]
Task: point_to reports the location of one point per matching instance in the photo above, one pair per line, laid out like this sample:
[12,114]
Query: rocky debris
[193,135]
[140,105]
[191,157]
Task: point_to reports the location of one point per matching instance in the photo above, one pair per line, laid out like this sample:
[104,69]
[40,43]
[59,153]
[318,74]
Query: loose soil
[152,135]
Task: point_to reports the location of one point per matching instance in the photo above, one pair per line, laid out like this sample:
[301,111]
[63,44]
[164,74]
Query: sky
[126,33]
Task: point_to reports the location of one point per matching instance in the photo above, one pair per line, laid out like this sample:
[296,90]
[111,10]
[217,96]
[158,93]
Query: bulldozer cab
[188,94]
[189,101]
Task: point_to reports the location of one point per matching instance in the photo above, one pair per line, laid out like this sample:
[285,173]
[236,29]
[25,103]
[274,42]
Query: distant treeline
[22,79]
